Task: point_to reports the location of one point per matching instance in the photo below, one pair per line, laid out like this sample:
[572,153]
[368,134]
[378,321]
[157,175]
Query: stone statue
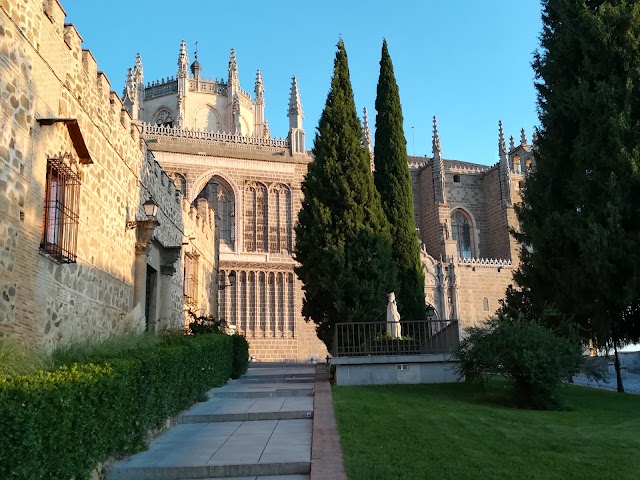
[393,318]
[446,230]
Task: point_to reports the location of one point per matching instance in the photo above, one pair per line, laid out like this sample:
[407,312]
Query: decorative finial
[295,104]
[512,143]
[523,137]
[267,130]
[437,150]
[195,54]
[183,59]
[233,67]
[502,146]
[366,132]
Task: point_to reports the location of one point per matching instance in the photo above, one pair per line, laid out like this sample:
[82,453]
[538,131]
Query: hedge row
[61,424]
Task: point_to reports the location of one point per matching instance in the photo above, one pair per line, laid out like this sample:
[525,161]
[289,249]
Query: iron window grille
[191,278]
[60,217]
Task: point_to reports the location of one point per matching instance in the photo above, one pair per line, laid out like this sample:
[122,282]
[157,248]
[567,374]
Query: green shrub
[532,358]
[202,324]
[240,355]
[60,424]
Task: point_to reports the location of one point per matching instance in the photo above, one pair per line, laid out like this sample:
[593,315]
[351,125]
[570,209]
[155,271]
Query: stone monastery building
[80,256]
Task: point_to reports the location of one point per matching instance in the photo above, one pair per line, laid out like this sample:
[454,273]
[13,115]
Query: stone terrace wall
[44,72]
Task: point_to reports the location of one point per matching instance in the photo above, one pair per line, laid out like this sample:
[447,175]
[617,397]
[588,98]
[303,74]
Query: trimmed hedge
[61,424]
[240,361]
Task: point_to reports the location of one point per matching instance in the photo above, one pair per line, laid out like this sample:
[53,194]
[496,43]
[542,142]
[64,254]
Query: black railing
[381,338]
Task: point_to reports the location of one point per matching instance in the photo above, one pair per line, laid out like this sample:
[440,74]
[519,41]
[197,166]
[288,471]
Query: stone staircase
[256,427]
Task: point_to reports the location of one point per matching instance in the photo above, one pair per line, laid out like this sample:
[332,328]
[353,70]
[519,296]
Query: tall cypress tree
[579,214]
[393,181]
[343,243]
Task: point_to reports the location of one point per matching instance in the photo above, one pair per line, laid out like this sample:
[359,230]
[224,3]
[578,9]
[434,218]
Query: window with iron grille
[60,216]
[191,278]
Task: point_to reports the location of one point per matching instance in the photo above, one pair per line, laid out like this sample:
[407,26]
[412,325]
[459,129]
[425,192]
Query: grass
[457,431]
[20,359]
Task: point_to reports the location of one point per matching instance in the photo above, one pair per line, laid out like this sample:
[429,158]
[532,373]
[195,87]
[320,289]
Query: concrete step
[244,390]
[243,409]
[277,379]
[270,477]
[223,450]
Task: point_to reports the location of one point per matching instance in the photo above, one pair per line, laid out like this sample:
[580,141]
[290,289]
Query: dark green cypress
[343,243]
[579,215]
[393,181]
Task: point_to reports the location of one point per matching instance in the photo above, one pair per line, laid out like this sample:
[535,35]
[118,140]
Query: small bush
[240,361]
[532,358]
[17,358]
[60,424]
[204,324]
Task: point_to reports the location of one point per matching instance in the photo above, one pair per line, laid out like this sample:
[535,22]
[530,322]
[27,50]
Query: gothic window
[220,197]
[290,306]
[255,218]
[191,278]
[223,296]
[163,117]
[272,304]
[180,182]
[516,163]
[242,323]
[281,305]
[252,302]
[462,233]
[60,216]
[262,303]
[280,231]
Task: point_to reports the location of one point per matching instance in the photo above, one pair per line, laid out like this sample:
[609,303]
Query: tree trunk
[616,364]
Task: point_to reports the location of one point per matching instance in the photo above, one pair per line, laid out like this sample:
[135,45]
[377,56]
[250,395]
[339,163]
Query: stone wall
[45,73]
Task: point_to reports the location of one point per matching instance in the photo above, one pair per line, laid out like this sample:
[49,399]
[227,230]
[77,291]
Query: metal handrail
[382,338]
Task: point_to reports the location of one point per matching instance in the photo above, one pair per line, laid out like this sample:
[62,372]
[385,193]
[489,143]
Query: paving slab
[223,449]
[239,390]
[218,409]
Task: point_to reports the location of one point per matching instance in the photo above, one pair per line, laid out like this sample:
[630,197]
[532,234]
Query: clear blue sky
[467,62]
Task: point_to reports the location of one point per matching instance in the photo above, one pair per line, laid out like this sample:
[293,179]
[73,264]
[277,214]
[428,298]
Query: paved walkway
[259,427]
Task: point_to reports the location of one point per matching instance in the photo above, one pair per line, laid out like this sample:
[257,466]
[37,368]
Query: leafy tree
[393,181]
[532,358]
[343,242]
[579,215]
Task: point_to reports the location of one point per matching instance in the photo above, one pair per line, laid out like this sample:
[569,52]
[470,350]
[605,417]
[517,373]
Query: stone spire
[295,105]
[133,93]
[258,123]
[183,79]
[523,137]
[296,131]
[233,70]
[439,190]
[366,137]
[183,60]
[505,171]
[512,143]
[267,130]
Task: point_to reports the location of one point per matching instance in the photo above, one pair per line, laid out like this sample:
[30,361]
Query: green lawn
[455,431]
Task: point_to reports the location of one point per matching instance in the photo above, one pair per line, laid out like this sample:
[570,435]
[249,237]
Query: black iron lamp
[150,210]
[232,281]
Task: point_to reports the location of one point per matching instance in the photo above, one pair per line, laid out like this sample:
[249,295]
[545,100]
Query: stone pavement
[259,427]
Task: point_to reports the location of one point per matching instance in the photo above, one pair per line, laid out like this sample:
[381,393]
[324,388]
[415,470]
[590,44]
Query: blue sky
[467,62]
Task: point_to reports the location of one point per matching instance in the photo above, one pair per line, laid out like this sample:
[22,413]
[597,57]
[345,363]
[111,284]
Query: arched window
[281,228]
[462,233]
[255,217]
[163,117]
[220,197]
[516,163]
[485,304]
[180,182]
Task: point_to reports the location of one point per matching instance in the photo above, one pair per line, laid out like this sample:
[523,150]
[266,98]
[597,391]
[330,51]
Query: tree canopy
[343,242]
[393,181]
[579,215]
